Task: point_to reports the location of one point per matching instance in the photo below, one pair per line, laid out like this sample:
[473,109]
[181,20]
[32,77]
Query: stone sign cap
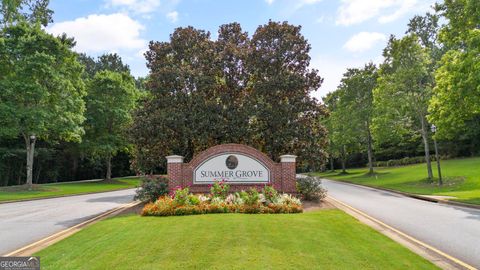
[288,158]
[174,159]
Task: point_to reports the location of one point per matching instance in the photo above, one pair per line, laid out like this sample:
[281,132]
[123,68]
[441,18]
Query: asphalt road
[23,223]
[451,229]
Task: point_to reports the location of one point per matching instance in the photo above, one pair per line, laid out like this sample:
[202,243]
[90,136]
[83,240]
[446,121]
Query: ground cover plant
[13,193]
[182,202]
[327,239]
[461,179]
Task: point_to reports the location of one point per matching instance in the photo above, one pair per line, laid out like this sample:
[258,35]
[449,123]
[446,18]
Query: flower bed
[182,202]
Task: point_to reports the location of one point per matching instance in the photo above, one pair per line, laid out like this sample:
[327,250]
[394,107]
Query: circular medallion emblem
[231,162]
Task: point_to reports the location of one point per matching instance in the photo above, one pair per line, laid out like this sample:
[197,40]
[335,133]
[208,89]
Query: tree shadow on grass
[25,188]
[448,182]
[369,175]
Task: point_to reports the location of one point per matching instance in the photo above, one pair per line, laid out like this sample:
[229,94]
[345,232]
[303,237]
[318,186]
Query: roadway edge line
[51,239]
[404,235]
[410,195]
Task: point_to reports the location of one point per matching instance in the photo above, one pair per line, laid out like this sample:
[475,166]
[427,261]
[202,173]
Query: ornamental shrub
[220,189]
[311,189]
[270,194]
[250,197]
[250,202]
[152,188]
[181,196]
[193,200]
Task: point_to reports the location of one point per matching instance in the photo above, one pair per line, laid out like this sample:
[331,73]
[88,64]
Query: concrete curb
[66,195]
[54,238]
[437,257]
[414,196]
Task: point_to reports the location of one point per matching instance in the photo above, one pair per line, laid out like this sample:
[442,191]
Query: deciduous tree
[455,104]
[41,89]
[404,88]
[110,102]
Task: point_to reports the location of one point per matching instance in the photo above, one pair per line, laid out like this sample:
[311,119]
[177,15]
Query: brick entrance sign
[239,165]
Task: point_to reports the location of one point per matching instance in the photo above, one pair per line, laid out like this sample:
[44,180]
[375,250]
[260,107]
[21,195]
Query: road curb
[414,196]
[66,195]
[437,257]
[30,249]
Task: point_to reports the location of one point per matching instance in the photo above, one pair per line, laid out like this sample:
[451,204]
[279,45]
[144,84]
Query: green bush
[311,189]
[270,194]
[152,188]
[250,197]
[405,161]
[181,196]
[220,189]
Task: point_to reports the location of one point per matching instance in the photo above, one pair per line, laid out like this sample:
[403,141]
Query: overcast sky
[343,33]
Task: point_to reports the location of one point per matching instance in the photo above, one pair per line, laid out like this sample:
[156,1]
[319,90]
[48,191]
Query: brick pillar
[289,173]
[174,171]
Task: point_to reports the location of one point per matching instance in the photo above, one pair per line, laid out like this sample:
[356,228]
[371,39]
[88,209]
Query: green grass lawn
[462,179]
[328,239]
[59,189]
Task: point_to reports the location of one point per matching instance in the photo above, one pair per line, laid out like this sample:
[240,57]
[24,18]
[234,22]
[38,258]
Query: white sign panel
[232,168]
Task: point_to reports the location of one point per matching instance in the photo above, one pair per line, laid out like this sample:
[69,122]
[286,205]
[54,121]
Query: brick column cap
[287,158]
[174,159]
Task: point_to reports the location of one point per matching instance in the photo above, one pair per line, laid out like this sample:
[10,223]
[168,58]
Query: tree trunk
[331,164]
[75,167]
[369,149]
[30,144]
[426,147]
[109,168]
[344,161]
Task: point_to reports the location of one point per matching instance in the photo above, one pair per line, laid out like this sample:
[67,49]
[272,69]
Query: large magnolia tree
[235,89]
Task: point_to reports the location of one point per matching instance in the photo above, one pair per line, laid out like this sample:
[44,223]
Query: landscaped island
[325,239]
[182,202]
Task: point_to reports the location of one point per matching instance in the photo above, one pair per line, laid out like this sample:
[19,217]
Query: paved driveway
[22,223]
[451,229]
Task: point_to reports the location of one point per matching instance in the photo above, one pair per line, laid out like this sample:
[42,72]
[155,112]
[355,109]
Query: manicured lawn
[462,179]
[58,189]
[328,239]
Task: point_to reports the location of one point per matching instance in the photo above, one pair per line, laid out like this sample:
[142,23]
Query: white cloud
[405,8]
[363,41]
[172,16]
[332,68]
[102,33]
[357,11]
[299,3]
[136,6]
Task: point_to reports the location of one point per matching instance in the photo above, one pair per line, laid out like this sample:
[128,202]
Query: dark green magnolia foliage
[236,89]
